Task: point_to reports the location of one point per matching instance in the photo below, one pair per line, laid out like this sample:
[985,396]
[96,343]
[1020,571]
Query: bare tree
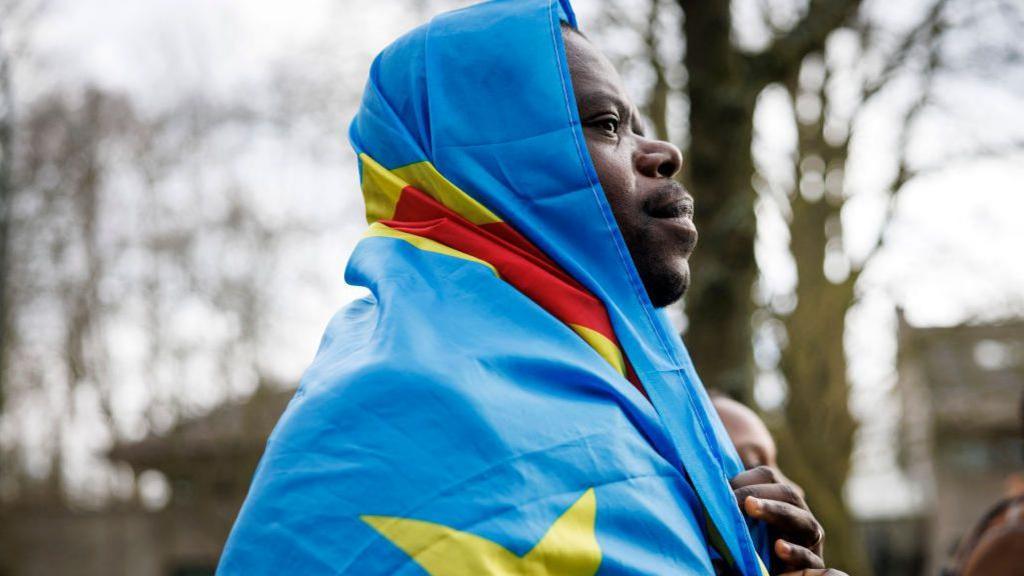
[724,82]
[60,254]
[722,86]
[16,19]
[817,434]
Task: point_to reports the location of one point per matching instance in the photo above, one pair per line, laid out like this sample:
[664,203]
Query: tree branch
[930,27]
[765,10]
[809,35]
[904,174]
[656,106]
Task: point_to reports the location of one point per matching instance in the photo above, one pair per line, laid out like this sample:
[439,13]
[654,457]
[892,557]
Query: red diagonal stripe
[518,261]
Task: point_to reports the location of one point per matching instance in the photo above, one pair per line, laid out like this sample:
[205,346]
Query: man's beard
[665,283]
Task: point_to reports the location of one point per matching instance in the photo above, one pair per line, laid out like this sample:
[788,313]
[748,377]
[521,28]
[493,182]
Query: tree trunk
[6,195]
[718,170]
[816,439]
[723,85]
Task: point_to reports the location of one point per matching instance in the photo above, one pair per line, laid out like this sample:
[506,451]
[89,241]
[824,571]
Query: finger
[780,492]
[785,480]
[786,518]
[796,556]
[816,572]
[759,475]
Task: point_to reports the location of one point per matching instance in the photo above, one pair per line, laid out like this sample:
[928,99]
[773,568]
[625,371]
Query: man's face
[654,213]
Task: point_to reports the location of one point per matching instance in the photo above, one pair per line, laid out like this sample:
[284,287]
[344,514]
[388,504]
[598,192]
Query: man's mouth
[674,209]
[670,202]
[672,206]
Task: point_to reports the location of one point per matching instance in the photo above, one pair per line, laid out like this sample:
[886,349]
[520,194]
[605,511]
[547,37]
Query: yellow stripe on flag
[605,347]
[381,190]
[382,187]
[380,230]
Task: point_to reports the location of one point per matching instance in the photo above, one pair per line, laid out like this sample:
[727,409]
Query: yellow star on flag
[569,547]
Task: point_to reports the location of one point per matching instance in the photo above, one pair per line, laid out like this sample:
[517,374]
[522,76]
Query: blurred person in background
[511,398]
[748,432]
[995,545]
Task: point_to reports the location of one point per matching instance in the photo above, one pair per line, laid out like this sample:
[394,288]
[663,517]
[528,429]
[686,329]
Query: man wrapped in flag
[510,398]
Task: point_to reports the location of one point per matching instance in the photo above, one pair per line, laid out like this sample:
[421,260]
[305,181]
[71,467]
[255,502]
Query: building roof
[974,373]
[233,428]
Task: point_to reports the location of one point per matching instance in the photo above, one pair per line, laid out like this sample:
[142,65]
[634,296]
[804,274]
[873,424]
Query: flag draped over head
[506,400]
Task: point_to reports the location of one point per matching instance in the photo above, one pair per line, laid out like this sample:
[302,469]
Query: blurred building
[43,536]
[961,391]
[206,464]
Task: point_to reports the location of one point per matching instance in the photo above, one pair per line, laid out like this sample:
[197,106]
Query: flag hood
[484,96]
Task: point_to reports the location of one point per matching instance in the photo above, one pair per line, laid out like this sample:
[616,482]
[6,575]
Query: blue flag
[506,400]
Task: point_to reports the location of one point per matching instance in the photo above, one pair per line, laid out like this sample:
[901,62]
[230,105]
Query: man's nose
[658,159]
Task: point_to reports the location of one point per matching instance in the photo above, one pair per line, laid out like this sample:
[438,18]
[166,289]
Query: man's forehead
[595,78]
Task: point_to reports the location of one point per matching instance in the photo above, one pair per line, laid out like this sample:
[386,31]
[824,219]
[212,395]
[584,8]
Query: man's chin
[666,286]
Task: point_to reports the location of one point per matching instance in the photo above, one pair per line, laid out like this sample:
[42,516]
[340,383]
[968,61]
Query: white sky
[954,250]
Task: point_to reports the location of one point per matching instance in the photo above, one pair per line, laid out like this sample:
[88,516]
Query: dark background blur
[178,200]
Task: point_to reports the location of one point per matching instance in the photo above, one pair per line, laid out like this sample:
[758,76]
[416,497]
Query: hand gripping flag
[506,400]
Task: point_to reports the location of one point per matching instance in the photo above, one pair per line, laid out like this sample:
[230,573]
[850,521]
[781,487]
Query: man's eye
[608,124]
